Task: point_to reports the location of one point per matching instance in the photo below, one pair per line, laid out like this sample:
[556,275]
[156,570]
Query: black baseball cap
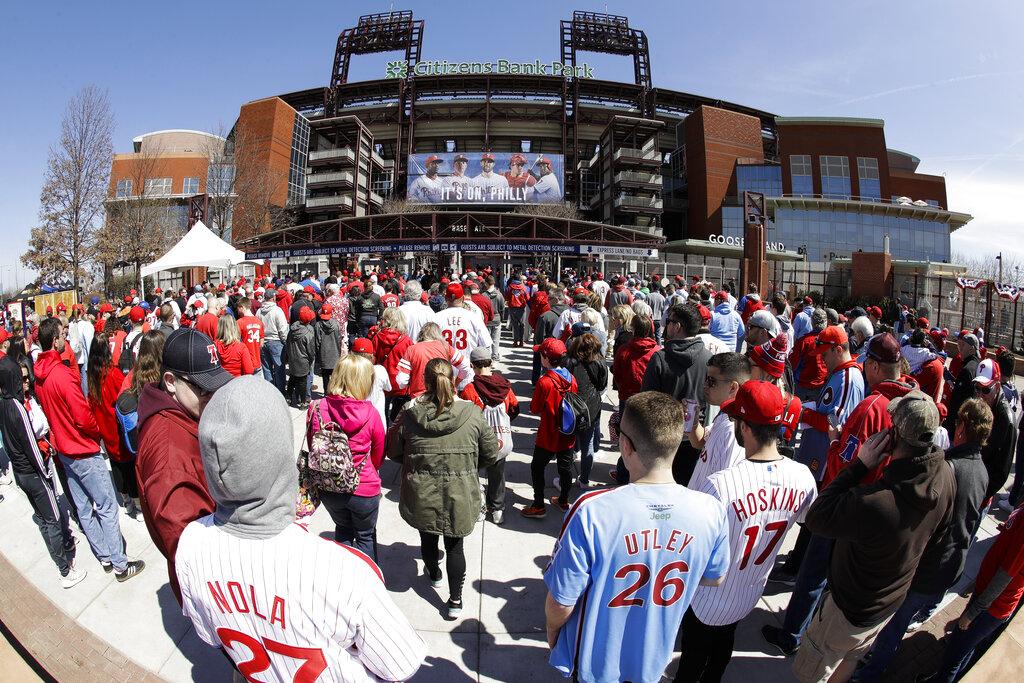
[192,355]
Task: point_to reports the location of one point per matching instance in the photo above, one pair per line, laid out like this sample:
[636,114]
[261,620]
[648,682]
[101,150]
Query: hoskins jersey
[720,452]
[762,501]
[630,559]
[295,607]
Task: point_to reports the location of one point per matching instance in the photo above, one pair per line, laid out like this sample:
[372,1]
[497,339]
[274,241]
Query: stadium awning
[200,248]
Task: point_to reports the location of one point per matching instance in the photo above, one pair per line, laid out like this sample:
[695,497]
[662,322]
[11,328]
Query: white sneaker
[598,454]
[498,517]
[558,483]
[73,578]
[583,484]
[7,478]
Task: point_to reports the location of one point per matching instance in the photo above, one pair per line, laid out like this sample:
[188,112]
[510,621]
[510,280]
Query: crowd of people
[734,421]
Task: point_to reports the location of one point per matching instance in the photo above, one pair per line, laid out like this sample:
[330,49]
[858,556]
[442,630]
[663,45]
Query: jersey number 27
[314,665]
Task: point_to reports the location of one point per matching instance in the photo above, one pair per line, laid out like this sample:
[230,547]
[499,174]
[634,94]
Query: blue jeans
[273,368]
[961,646]
[355,519]
[585,442]
[96,502]
[810,582]
[890,637]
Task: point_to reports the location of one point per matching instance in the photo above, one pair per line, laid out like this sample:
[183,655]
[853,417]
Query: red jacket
[484,303]
[169,468]
[808,367]
[389,346]
[235,358]
[630,364]
[547,402]
[110,389]
[73,428]
[956,364]
[207,324]
[868,418]
[930,378]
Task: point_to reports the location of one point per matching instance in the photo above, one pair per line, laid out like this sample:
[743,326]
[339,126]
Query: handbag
[308,498]
[330,461]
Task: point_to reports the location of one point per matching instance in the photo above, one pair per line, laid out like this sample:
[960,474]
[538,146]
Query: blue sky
[945,76]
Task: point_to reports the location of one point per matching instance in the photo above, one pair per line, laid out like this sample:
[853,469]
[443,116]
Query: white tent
[200,248]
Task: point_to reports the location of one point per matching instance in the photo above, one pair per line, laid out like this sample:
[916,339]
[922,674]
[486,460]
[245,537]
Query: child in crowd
[381,383]
[300,350]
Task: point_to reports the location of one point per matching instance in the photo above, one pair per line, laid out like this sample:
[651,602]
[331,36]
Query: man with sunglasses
[169,468]
[727,372]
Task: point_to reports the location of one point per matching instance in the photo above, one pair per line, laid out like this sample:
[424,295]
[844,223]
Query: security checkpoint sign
[451,247]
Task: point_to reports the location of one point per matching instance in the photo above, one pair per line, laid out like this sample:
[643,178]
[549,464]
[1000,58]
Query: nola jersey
[426,189]
[843,390]
[629,559]
[547,190]
[762,501]
[457,188]
[462,328]
[720,452]
[294,607]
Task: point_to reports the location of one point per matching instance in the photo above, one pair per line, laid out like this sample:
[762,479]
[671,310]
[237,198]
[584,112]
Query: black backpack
[127,359]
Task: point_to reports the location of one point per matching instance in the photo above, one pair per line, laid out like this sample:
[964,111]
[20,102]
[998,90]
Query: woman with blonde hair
[234,355]
[345,405]
[389,345]
[621,326]
[442,443]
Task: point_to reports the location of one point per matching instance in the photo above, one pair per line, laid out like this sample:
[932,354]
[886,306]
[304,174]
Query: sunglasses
[196,389]
[989,389]
[710,381]
[622,433]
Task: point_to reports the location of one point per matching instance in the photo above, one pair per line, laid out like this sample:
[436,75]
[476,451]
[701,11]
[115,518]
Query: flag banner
[1007,291]
[968,283]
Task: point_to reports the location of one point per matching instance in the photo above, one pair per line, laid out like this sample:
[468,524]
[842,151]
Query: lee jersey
[294,607]
[629,559]
[720,452]
[762,501]
[842,391]
[462,328]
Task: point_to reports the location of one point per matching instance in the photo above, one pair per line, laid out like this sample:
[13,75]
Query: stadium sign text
[452,247]
[400,68]
[738,242]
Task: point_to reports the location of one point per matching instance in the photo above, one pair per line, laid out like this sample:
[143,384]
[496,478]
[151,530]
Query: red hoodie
[110,389]
[547,402]
[73,428]
[389,346]
[630,364]
[538,305]
[868,418]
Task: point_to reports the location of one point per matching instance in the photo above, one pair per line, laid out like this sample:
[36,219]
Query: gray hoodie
[249,463]
[275,325]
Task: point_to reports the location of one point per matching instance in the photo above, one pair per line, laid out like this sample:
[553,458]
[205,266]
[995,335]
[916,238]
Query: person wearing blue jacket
[726,323]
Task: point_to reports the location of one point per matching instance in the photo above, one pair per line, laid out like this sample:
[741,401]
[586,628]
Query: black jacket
[997,453]
[963,389]
[591,381]
[19,438]
[943,563]
[882,530]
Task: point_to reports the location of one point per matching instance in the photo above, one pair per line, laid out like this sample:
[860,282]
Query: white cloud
[998,223]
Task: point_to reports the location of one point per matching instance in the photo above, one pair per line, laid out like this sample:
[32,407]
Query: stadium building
[610,175]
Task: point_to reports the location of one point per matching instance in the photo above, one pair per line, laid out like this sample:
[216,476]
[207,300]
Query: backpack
[126,410]
[497,419]
[516,296]
[126,361]
[575,414]
[331,463]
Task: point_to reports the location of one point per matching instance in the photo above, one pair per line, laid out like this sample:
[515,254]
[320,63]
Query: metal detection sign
[465,247]
[400,68]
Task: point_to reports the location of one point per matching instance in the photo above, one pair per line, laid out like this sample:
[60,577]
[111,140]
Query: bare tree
[559,210]
[76,181]
[260,190]
[987,266]
[139,225]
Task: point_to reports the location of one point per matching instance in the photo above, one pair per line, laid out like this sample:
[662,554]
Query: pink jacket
[360,420]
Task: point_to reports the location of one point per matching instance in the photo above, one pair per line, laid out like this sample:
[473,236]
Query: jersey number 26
[662,582]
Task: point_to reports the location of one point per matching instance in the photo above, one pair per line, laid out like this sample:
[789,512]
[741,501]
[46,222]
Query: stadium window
[124,188]
[867,174]
[449,145]
[800,174]
[524,146]
[190,186]
[835,177]
[157,186]
[219,178]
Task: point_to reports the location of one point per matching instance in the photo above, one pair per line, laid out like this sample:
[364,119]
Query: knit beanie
[771,356]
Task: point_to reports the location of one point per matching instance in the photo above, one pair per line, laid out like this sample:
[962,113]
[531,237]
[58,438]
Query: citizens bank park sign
[451,247]
[401,69]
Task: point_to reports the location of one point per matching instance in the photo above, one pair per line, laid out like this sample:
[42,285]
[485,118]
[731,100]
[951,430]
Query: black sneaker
[781,576]
[773,634]
[131,570]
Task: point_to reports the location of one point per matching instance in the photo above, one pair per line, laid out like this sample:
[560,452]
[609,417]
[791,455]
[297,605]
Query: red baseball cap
[137,314]
[309,288]
[723,295]
[808,301]
[550,348]
[876,311]
[49,310]
[488,155]
[454,291]
[544,160]
[362,345]
[759,402]
[884,348]
[4,335]
[61,307]
[158,291]
[923,323]
[461,157]
[705,314]
[431,159]
[326,311]
[833,335]
[517,159]
[105,308]
[306,314]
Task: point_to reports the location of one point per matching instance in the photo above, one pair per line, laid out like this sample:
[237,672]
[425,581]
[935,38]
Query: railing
[639,202]
[324,178]
[376,198]
[633,153]
[634,177]
[340,200]
[343,153]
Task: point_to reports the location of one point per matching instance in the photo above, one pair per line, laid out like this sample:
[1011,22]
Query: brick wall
[871,274]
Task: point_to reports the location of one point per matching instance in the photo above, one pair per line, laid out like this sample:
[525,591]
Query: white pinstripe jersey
[295,607]
[762,501]
[463,328]
[720,452]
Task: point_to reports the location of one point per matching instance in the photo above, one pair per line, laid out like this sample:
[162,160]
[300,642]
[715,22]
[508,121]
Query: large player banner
[485,178]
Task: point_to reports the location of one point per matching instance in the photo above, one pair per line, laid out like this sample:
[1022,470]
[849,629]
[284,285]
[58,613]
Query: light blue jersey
[843,389]
[630,560]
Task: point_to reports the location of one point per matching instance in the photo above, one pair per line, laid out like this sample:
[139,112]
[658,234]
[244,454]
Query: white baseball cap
[988,373]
